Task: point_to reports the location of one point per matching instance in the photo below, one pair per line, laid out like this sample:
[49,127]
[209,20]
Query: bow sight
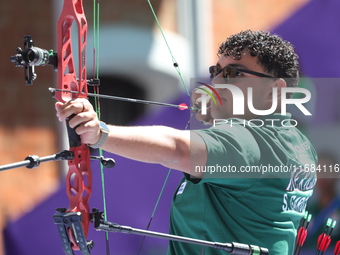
[32,56]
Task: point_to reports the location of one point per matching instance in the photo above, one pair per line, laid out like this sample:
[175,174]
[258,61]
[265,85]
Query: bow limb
[79,176]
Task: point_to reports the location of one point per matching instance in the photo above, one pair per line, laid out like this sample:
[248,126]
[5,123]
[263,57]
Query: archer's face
[262,88]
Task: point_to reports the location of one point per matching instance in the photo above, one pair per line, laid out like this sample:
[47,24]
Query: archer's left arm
[173,148]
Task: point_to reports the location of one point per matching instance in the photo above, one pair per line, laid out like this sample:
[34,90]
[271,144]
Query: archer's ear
[279,83]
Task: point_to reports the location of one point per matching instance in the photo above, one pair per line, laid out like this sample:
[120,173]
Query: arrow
[181,107]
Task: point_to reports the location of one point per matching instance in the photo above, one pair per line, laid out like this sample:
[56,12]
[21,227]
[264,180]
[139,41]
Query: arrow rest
[93,82]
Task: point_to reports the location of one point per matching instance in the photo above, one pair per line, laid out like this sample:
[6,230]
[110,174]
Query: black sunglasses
[230,72]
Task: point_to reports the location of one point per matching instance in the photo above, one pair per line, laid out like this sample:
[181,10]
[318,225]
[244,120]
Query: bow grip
[73,137]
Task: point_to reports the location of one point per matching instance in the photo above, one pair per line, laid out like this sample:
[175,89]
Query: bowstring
[96,18]
[175,64]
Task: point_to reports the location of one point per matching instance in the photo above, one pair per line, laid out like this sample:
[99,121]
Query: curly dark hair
[274,54]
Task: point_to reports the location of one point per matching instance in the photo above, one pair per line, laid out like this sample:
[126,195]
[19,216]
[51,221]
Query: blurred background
[134,62]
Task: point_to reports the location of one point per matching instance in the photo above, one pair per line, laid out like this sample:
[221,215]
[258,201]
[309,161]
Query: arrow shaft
[125,99]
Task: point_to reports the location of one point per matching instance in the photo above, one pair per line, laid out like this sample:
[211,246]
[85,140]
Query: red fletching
[323,242]
[302,235]
[183,106]
[337,248]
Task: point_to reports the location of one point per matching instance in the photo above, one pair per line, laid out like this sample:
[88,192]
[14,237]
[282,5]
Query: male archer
[258,208]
